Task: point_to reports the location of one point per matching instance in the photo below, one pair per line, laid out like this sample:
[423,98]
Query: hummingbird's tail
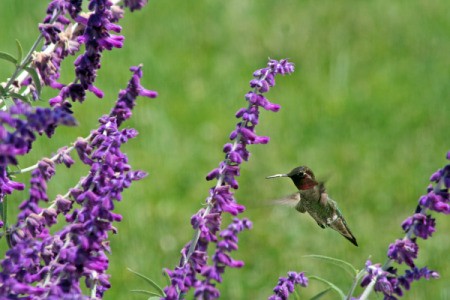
[352,239]
[341,226]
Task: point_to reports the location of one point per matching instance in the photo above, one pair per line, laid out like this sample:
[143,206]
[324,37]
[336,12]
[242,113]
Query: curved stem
[368,289]
[355,283]
[27,59]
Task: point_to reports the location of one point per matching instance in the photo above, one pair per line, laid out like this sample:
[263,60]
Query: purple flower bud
[135,4]
[436,176]
[434,202]
[213,174]
[234,157]
[286,286]
[270,79]
[403,251]
[423,226]
[240,112]
[47,168]
[227,147]
[97,92]
[282,67]
[7,186]
[63,205]
[206,291]
[233,134]
[64,157]
[50,216]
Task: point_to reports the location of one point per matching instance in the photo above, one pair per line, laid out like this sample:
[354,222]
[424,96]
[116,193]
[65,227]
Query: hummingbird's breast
[311,201]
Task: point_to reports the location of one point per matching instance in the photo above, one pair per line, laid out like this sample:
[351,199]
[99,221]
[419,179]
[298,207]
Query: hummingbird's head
[303,177]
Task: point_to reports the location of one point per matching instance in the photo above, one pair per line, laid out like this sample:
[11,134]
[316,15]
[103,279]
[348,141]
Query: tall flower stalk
[194,271]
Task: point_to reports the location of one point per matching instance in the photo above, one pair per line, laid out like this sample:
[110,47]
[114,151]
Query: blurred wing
[290,200]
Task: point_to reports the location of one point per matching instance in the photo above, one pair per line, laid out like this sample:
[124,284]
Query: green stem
[27,60]
[355,283]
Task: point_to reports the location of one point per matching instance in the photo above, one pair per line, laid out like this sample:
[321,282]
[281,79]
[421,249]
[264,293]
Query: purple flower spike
[286,285]
[94,31]
[127,98]
[221,199]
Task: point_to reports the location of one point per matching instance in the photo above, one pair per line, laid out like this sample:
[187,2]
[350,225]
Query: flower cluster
[207,221]
[60,40]
[221,259]
[286,285]
[42,265]
[389,283]
[419,225]
[18,129]
[64,37]
[95,35]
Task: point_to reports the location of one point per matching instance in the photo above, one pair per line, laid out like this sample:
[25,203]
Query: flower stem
[27,59]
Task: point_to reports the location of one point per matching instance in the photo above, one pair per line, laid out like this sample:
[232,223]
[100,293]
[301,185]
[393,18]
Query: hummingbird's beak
[277,175]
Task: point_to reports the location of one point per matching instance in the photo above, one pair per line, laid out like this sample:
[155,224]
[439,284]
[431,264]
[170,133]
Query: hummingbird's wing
[292,200]
[322,188]
[323,194]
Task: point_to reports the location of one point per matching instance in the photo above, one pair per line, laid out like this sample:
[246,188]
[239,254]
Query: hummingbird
[313,198]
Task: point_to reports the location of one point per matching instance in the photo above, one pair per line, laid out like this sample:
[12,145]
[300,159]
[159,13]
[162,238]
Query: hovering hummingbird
[313,198]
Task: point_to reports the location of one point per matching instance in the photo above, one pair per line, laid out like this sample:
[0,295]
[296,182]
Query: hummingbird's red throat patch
[306,184]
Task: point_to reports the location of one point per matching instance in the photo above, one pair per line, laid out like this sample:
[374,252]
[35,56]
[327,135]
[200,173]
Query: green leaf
[151,282]
[331,285]
[5,211]
[19,52]
[4,215]
[8,57]
[19,96]
[146,293]
[319,295]
[166,276]
[346,266]
[154,298]
[296,295]
[8,101]
[36,80]
[1,210]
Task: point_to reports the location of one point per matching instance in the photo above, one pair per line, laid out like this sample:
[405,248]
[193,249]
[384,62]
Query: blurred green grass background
[366,108]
